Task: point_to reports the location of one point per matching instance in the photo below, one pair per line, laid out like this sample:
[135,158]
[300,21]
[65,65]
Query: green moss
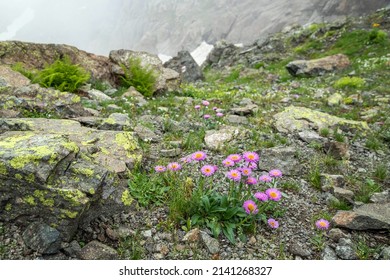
[349,82]
[3,169]
[92,191]
[18,176]
[41,196]
[76,197]
[30,200]
[76,99]
[30,178]
[126,198]
[8,207]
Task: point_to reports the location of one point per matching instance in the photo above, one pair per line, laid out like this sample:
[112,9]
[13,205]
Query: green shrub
[377,36]
[140,77]
[62,75]
[349,82]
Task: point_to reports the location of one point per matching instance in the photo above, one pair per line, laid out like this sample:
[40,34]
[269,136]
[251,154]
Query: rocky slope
[77,177]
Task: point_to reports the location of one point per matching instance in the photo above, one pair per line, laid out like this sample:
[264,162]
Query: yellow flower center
[234,174]
[251,207]
[322,224]
[273,195]
[250,156]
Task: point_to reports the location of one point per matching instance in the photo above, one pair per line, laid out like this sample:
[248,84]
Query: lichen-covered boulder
[296,119]
[317,67]
[11,78]
[34,99]
[62,173]
[226,135]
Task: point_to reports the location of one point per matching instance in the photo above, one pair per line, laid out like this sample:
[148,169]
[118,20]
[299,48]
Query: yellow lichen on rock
[126,198]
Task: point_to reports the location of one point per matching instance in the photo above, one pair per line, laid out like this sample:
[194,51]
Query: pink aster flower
[322,224]
[186,159]
[273,223]
[198,156]
[205,103]
[160,168]
[275,173]
[206,117]
[251,157]
[174,166]
[250,207]
[219,114]
[207,170]
[251,181]
[260,196]
[252,165]
[197,107]
[215,108]
[216,168]
[235,157]
[273,194]
[234,175]
[246,171]
[228,163]
[265,178]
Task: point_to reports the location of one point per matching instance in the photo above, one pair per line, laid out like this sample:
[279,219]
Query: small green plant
[314,175]
[339,137]
[381,172]
[142,78]
[367,188]
[377,36]
[363,251]
[341,205]
[324,132]
[62,75]
[349,82]
[22,70]
[373,143]
[130,248]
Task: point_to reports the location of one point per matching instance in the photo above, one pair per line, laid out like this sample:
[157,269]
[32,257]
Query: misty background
[163,26]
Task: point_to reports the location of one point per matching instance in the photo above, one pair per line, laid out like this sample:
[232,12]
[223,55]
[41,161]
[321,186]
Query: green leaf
[228,231]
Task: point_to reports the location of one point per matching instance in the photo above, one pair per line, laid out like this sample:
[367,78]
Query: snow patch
[164,58]
[201,52]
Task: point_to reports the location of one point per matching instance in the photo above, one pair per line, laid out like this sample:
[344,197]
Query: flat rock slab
[42,238]
[372,216]
[297,119]
[11,78]
[95,250]
[218,139]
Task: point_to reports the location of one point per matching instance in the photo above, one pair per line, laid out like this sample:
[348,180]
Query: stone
[97,95]
[282,158]
[310,136]
[345,250]
[186,66]
[135,95]
[11,78]
[192,236]
[112,234]
[234,119]
[372,216]
[382,197]
[218,139]
[42,238]
[329,254]
[171,153]
[95,250]
[45,101]
[47,173]
[147,233]
[299,249]
[211,244]
[37,56]
[116,121]
[343,194]
[338,150]
[385,253]
[318,67]
[73,249]
[296,119]
[146,134]
[335,99]
[329,182]
[336,234]
[249,109]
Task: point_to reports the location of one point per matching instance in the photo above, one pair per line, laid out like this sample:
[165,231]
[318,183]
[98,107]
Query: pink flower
[260,196]
[275,173]
[251,156]
[246,171]
[274,194]
[265,178]
[235,157]
[206,117]
[250,207]
[215,108]
[228,163]
[216,168]
[252,165]
[160,168]
[234,175]
[322,224]
[186,159]
[205,103]
[251,181]
[273,223]
[219,114]
[174,166]
[197,107]
[198,156]
[207,170]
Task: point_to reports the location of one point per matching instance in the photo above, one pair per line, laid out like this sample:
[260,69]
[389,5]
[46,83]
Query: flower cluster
[205,105]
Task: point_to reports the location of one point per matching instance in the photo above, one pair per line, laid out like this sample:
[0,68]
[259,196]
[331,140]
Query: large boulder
[317,67]
[34,99]
[63,174]
[37,56]
[167,79]
[185,64]
[11,78]
[297,119]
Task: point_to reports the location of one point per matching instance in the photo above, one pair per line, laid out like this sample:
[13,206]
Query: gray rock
[345,251]
[335,99]
[336,234]
[329,254]
[317,67]
[136,96]
[385,253]
[366,217]
[310,136]
[146,134]
[186,66]
[299,249]
[192,236]
[382,197]
[249,109]
[42,238]
[341,193]
[211,244]
[218,139]
[11,78]
[73,249]
[95,250]
[329,182]
[283,158]
[116,121]
[147,233]
[234,119]
[97,95]
[171,153]
[338,150]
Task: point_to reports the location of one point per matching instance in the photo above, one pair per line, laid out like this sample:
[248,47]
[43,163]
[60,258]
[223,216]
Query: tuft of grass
[364,251]
[194,140]
[373,143]
[341,205]
[349,82]
[367,188]
[314,175]
[324,132]
[381,172]
[130,248]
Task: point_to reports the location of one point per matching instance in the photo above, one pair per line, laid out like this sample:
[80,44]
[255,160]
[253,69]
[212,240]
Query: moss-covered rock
[297,119]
